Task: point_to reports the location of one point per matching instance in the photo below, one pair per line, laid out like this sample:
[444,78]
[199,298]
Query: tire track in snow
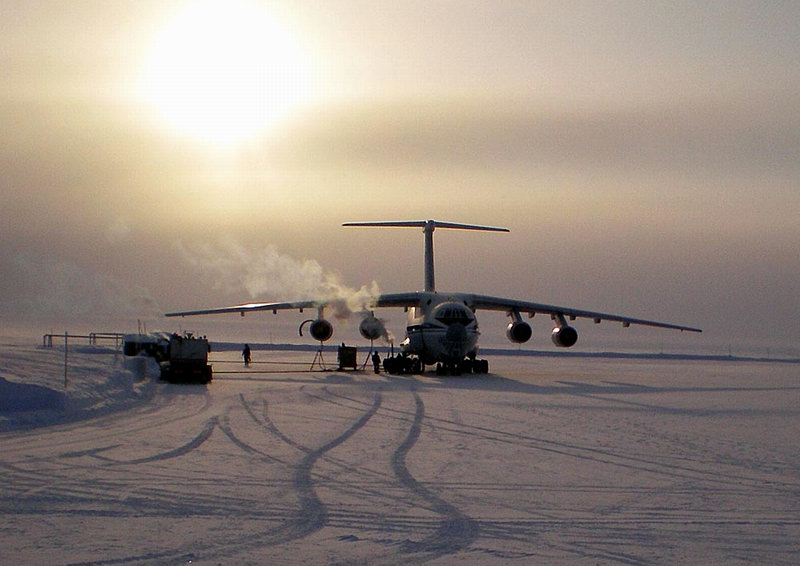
[194,443]
[225,426]
[358,489]
[457,530]
[601,455]
[311,516]
[313,513]
[276,432]
[159,411]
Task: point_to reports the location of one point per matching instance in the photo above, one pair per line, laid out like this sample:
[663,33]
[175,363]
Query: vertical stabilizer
[428,226]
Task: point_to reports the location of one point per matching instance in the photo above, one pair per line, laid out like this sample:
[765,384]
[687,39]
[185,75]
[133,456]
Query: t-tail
[428,226]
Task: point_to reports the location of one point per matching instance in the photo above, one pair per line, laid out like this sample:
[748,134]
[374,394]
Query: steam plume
[267,274]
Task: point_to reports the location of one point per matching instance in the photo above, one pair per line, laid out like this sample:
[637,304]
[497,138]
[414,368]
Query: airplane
[442,328]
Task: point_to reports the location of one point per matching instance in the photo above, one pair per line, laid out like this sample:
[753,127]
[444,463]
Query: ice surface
[556,461]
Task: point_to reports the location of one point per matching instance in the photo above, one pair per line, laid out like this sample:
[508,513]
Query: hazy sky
[171,155]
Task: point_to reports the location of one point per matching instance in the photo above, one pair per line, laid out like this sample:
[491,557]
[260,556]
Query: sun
[224,72]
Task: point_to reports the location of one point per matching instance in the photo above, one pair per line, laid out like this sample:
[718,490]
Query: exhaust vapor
[267,274]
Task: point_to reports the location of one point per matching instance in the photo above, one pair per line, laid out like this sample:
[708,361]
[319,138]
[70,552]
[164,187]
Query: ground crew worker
[376,362]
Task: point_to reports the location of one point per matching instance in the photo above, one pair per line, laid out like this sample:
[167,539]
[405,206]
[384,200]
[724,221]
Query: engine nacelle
[564,336]
[320,329]
[518,331]
[372,328]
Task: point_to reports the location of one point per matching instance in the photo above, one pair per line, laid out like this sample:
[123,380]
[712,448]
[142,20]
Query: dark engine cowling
[371,328]
[518,332]
[564,336]
[320,329]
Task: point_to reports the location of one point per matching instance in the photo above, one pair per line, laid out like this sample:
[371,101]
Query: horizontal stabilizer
[426,224]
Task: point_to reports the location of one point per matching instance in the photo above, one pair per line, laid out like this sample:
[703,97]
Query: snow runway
[544,461]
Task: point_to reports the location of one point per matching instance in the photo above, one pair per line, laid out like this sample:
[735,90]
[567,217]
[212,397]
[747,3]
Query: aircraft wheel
[390,365]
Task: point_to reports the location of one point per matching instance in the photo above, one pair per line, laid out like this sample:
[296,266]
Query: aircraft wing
[500,304]
[252,307]
[405,300]
[485,302]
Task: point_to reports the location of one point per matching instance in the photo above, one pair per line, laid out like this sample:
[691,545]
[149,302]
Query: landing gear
[463,367]
[402,364]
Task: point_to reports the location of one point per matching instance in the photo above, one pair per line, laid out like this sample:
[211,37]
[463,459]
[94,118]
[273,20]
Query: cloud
[118,231]
[696,136]
[50,287]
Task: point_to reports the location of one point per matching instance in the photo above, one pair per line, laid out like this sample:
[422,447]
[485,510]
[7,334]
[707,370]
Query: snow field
[544,461]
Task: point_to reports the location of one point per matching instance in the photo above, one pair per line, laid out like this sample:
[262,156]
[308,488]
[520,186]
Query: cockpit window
[451,314]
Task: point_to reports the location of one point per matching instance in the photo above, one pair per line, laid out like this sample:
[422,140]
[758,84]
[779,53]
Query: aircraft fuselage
[442,329]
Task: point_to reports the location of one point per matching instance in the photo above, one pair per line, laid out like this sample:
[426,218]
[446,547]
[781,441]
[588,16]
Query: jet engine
[519,332]
[564,336]
[320,329]
[372,328]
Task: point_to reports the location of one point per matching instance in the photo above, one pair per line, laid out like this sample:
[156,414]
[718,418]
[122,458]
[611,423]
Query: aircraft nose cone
[456,340]
[456,333]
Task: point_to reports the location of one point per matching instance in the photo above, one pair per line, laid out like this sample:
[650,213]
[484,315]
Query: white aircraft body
[442,327]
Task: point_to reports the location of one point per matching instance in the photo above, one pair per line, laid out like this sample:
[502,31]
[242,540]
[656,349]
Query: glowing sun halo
[224,71]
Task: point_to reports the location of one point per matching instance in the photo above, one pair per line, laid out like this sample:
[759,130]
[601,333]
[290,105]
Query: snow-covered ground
[548,461]
[99,380]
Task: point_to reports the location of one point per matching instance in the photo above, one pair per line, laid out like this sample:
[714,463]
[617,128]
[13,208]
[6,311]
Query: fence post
[66,338]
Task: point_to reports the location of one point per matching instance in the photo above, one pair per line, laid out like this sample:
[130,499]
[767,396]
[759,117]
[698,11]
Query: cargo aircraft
[442,327]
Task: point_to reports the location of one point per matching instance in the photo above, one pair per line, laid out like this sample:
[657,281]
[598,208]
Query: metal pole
[66,338]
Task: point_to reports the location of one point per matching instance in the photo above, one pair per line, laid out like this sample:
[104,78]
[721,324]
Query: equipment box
[347,357]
